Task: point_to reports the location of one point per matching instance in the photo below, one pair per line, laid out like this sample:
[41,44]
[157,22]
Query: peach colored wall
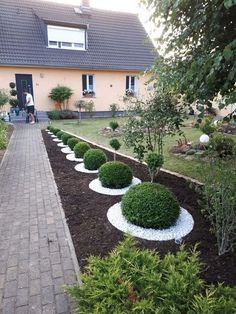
[109,85]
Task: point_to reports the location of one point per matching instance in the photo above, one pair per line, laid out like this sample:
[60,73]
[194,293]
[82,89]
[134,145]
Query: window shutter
[84,82]
[127,82]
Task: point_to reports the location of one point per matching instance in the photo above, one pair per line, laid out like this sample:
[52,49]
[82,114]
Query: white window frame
[87,83]
[60,43]
[135,84]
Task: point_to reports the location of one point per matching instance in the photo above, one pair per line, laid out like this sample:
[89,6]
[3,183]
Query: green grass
[91,130]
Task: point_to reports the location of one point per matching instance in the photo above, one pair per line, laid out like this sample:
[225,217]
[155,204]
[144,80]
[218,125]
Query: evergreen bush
[72,142]
[55,131]
[131,280]
[222,146]
[115,175]
[65,137]
[150,205]
[114,125]
[59,134]
[80,149]
[94,158]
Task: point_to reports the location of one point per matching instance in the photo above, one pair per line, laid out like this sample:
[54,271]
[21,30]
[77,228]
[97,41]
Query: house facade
[101,55]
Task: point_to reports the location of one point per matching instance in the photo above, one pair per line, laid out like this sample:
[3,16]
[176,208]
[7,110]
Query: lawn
[91,130]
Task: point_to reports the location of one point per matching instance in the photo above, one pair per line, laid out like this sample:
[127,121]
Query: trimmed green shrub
[131,280]
[55,131]
[3,135]
[154,162]
[114,125]
[150,205]
[62,114]
[222,146]
[94,158]
[59,134]
[49,127]
[115,144]
[72,142]
[65,137]
[115,175]
[80,149]
[207,126]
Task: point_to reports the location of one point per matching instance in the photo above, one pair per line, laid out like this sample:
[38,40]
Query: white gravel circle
[50,132]
[96,186]
[72,157]
[81,168]
[66,150]
[53,136]
[61,145]
[183,226]
[57,140]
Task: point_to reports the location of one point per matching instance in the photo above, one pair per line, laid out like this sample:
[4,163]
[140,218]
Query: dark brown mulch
[93,234]
[10,130]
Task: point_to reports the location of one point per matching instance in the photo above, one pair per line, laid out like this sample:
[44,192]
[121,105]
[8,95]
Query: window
[66,37]
[88,85]
[131,85]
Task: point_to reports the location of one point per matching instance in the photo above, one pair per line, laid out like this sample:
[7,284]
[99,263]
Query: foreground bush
[61,114]
[222,146]
[72,142]
[94,158]
[80,149]
[65,137]
[150,205]
[131,280]
[115,175]
[3,135]
[59,134]
[55,131]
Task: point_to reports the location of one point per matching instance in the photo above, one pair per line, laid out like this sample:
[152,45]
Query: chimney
[85,3]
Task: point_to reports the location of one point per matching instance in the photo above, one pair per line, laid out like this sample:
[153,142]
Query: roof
[116,40]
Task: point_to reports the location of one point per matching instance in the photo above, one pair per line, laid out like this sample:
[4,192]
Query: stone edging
[132,158]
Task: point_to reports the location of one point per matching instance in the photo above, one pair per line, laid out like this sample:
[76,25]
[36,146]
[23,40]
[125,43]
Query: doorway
[23,82]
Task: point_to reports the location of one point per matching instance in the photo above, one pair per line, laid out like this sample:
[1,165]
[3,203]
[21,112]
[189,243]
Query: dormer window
[66,37]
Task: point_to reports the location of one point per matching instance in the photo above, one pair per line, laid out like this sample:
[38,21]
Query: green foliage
[149,121]
[220,202]
[12,85]
[115,144]
[3,135]
[13,92]
[61,94]
[114,125]
[222,146]
[89,107]
[150,205]
[4,97]
[80,149]
[114,108]
[191,152]
[13,102]
[61,114]
[59,134]
[65,137]
[72,142]
[154,162]
[48,127]
[207,126]
[199,44]
[94,158]
[131,280]
[55,131]
[115,175]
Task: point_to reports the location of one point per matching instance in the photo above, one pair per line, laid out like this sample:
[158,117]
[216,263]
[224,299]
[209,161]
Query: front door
[23,82]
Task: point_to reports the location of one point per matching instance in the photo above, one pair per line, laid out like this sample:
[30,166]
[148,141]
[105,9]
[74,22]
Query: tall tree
[199,41]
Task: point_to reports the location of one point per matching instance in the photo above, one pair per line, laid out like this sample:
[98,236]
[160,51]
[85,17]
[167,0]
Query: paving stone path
[35,248]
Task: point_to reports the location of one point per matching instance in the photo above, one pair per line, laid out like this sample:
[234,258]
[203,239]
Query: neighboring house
[43,44]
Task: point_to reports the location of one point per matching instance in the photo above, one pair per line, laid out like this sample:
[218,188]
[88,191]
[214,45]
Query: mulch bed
[10,130]
[92,233]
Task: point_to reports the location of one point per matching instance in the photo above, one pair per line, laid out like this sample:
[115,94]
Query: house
[45,44]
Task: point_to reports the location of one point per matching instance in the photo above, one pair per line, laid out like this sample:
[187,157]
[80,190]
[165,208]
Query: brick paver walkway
[35,257]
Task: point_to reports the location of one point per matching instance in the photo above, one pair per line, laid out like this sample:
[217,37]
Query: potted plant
[129,92]
[88,93]
[61,96]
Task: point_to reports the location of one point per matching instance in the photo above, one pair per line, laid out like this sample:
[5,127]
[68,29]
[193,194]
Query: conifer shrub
[65,137]
[222,146]
[59,134]
[94,158]
[150,205]
[115,175]
[131,280]
[72,142]
[55,130]
[49,127]
[80,149]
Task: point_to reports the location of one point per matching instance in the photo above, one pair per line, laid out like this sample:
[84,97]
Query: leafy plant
[94,158]
[61,94]
[207,126]
[89,107]
[61,114]
[131,280]
[13,92]
[80,104]
[13,102]
[154,163]
[114,109]
[3,135]
[114,125]
[59,134]
[115,144]
[55,131]
[80,149]
[115,175]
[150,205]
[222,146]
[4,98]
[65,137]
[12,85]
[72,142]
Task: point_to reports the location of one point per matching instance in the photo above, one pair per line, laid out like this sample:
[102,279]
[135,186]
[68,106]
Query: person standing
[30,106]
